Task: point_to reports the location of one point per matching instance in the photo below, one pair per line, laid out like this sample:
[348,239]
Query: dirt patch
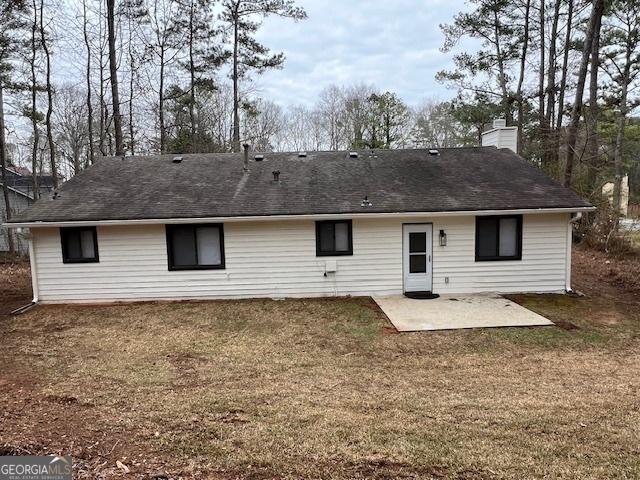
[16,286]
[596,272]
[565,325]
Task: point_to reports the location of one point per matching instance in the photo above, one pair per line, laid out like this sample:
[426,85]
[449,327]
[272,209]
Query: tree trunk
[88,81]
[621,122]
[103,114]
[163,132]
[132,140]
[596,15]
[523,58]
[502,78]
[548,144]
[34,105]
[563,85]
[192,73]
[113,71]
[541,76]
[3,168]
[592,119]
[236,103]
[47,56]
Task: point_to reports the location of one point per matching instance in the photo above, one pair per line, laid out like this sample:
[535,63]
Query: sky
[393,44]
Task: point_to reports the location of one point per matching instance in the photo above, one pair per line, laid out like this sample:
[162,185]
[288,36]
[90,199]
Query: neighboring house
[371,222]
[20,197]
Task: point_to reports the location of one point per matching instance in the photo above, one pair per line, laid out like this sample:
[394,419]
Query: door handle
[429,258]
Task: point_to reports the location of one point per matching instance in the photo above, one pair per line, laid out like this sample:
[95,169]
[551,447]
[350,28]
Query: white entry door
[417,247]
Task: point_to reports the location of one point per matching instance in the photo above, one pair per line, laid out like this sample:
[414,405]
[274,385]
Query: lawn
[267,389]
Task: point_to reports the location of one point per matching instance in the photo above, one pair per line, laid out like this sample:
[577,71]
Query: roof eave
[314,216]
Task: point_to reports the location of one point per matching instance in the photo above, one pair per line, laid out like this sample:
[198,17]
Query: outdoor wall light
[443,238]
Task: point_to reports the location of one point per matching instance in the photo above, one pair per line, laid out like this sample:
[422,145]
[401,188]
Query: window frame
[498,257]
[65,231]
[334,252]
[168,230]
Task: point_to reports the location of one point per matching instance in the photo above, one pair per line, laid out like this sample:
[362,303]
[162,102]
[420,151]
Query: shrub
[599,230]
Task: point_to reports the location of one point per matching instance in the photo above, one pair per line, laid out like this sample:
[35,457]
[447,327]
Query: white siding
[505,137]
[277,259]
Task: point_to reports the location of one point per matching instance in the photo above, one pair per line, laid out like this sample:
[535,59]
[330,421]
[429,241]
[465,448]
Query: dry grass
[320,389]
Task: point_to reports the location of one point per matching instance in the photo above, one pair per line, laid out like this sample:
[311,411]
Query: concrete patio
[451,312]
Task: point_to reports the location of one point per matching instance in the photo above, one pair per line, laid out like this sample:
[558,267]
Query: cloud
[391,44]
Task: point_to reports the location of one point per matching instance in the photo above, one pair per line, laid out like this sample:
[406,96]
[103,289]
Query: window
[195,247]
[334,237]
[79,244]
[499,238]
[417,252]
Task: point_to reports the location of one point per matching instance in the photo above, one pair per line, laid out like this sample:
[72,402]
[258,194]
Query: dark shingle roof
[214,185]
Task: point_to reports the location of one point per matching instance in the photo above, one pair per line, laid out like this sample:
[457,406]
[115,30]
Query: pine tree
[496,24]
[241,18]
[204,57]
[621,64]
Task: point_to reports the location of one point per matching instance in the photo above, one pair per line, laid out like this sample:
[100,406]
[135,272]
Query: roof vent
[276,175]
[302,154]
[353,154]
[434,151]
[259,157]
[177,160]
[365,202]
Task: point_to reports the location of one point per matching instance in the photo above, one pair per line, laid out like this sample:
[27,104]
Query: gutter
[319,216]
[575,217]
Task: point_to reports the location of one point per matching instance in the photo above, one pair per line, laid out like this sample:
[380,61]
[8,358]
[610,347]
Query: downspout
[34,276]
[34,269]
[575,217]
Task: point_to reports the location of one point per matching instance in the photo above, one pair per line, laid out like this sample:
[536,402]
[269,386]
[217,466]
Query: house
[371,222]
[20,186]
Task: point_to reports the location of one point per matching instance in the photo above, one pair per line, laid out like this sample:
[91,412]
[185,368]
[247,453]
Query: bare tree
[550,91]
[72,131]
[541,71]
[591,119]
[357,112]
[89,119]
[113,72]
[331,108]
[3,167]
[594,23]
[435,126]
[563,81]
[163,43]
[49,88]
[523,59]
[263,125]
[103,123]
[33,113]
